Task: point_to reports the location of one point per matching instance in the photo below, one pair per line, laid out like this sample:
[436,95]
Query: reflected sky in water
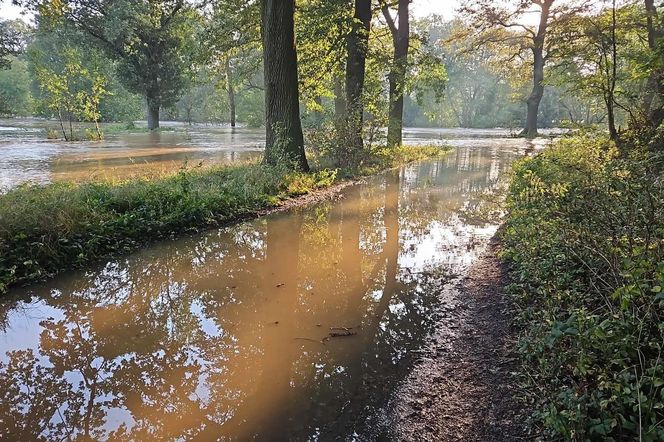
[228,334]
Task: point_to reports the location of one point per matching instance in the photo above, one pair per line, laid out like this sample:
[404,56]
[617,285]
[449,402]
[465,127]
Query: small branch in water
[338,332]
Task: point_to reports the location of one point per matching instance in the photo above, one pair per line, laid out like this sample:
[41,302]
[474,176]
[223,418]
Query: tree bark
[231,92]
[154,106]
[397,76]
[357,45]
[533,102]
[284,139]
[653,104]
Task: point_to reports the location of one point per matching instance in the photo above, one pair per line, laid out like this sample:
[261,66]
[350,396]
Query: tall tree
[284,139]
[654,98]
[357,47]
[151,40]
[504,23]
[13,36]
[232,45]
[397,76]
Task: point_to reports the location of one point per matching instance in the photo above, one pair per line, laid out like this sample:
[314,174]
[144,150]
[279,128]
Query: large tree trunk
[653,105]
[533,102]
[397,76]
[357,46]
[231,91]
[284,139]
[154,105]
[530,130]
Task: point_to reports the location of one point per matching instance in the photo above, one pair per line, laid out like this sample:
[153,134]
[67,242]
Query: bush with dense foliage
[585,239]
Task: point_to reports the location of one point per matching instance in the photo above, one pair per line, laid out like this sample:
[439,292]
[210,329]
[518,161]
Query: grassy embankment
[45,229]
[585,243]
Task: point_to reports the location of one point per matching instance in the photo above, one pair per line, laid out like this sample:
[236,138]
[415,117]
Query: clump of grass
[45,229]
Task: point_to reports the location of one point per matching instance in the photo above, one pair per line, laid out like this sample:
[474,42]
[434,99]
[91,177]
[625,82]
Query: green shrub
[585,239]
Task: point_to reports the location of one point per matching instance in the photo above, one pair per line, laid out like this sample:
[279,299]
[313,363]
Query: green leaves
[584,236]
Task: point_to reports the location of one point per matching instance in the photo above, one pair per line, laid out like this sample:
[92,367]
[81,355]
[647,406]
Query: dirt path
[462,390]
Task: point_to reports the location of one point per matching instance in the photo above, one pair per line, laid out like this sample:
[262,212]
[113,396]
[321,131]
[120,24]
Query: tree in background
[47,42]
[150,39]
[284,139]
[400,32]
[12,40]
[498,23]
[14,80]
[15,94]
[72,92]
[596,59]
[357,48]
[233,49]
[653,102]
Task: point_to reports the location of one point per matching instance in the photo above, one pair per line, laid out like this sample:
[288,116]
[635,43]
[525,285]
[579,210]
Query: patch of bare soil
[462,389]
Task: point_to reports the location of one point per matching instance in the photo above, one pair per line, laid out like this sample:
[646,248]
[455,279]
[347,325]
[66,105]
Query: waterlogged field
[29,157]
[251,330]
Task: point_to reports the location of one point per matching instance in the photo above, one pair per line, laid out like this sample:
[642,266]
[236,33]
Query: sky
[421,8]
[9,11]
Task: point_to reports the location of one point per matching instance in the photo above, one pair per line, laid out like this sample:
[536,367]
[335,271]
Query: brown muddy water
[27,156]
[296,326]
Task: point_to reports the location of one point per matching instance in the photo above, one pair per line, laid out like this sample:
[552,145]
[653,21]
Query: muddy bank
[462,389]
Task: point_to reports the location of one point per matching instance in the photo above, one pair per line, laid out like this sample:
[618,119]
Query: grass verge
[45,229]
[585,241]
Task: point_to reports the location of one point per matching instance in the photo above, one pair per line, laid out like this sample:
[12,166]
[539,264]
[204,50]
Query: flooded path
[295,326]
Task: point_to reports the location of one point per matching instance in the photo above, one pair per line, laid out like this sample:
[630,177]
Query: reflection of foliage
[32,395]
[196,338]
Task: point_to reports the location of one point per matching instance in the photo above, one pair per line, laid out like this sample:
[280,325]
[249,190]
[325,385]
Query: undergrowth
[585,241]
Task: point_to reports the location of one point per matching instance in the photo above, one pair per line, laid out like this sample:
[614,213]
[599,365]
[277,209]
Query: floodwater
[295,326]
[27,156]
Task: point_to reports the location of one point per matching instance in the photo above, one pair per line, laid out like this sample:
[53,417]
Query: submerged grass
[45,229]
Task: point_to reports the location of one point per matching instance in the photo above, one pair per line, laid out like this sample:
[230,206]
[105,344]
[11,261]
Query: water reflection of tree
[196,339]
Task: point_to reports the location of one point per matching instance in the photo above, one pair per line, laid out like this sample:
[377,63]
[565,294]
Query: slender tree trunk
[613,73]
[533,102]
[62,125]
[99,135]
[397,76]
[284,139]
[357,45]
[154,106]
[231,91]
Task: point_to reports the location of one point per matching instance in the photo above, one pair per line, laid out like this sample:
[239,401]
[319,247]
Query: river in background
[294,326]
[27,156]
